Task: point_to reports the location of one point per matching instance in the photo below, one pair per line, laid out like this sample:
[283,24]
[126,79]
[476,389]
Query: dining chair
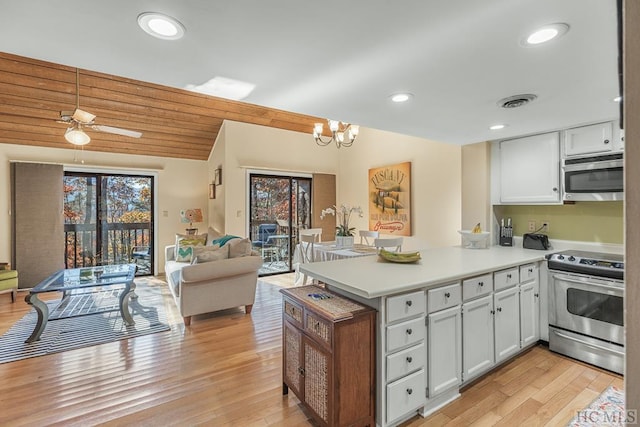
[264,243]
[365,235]
[307,252]
[313,231]
[388,242]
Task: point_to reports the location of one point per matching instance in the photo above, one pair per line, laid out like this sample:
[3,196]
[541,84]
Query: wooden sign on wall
[390,199]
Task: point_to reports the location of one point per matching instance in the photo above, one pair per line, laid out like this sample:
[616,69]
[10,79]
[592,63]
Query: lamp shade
[191,215]
[76,136]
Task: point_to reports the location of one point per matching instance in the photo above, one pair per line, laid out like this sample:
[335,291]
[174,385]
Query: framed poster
[390,199]
[217,177]
[212,191]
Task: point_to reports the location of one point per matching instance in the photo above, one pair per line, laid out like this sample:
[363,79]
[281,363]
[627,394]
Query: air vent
[516,101]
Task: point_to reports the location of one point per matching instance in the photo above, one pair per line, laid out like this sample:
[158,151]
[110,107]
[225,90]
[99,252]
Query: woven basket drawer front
[292,343]
[293,312]
[316,381]
[318,328]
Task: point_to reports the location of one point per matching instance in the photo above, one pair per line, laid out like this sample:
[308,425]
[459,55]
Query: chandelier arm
[322,142]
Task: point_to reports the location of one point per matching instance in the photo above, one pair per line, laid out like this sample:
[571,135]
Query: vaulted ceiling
[174,122]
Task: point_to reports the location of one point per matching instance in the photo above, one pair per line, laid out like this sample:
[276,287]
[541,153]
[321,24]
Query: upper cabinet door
[529,169]
[590,139]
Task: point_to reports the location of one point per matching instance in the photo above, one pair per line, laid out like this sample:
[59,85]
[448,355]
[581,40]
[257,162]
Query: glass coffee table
[79,296]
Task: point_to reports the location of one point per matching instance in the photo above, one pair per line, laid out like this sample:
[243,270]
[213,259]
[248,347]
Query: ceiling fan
[79,119]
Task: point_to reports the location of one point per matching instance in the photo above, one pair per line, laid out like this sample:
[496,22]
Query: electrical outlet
[545,226]
[532,226]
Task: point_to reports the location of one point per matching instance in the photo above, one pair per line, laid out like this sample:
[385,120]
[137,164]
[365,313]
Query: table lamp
[190,216]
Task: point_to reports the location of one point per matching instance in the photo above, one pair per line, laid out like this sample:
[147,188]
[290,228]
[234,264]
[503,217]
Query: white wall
[436,173]
[181,184]
[217,206]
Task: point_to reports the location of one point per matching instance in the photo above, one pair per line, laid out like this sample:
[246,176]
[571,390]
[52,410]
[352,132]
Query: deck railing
[84,248]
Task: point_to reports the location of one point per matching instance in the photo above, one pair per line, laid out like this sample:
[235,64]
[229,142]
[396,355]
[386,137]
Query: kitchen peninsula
[437,317]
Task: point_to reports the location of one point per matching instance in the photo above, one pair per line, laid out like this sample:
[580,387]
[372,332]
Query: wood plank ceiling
[174,122]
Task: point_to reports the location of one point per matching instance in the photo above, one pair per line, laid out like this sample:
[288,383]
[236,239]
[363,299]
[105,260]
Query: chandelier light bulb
[338,131]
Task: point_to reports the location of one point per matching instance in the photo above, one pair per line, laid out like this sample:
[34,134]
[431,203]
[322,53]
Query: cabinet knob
[409,331]
[409,359]
[493,312]
[447,295]
[317,326]
[531,270]
[409,390]
[481,284]
[508,276]
[555,189]
[606,141]
[536,295]
[499,309]
[301,371]
[409,303]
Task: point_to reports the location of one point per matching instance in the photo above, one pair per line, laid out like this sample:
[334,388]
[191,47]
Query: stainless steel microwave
[593,178]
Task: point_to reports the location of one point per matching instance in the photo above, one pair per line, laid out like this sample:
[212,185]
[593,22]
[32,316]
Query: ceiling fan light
[76,136]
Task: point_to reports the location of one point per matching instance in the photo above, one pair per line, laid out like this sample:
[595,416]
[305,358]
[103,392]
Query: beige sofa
[211,286]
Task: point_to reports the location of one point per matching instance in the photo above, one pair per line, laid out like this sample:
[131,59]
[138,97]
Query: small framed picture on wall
[212,191]
[217,178]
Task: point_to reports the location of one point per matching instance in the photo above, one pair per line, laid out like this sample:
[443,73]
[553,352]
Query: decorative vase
[344,241]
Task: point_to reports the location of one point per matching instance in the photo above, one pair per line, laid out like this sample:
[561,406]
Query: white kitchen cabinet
[530,169]
[507,323]
[590,139]
[444,350]
[529,313]
[477,337]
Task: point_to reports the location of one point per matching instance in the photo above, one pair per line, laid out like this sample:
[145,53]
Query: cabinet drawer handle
[481,284]
[536,295]
[317,326]
[409,331]
[531,270]
[508,276]
[447,295]
[409,303]
[301,371]
[409,390]
[493,312]
[409,359]
[499,309]
[606,141]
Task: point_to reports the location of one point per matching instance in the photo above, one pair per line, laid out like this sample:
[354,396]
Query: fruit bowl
[473,240]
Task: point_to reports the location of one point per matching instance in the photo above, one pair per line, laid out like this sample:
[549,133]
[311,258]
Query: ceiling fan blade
[82,116]
[117,131]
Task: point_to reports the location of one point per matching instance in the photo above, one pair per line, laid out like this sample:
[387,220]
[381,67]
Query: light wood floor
[225,370]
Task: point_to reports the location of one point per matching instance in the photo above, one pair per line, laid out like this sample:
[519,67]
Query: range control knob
[560,256]
[572,258]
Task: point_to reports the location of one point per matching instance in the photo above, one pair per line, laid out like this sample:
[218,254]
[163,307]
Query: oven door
[587,305]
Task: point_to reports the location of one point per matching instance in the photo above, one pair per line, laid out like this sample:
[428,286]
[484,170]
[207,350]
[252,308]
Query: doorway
[279,206]
[108,219]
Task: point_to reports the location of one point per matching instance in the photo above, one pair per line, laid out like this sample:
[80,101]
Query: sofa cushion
[209,253]
[239,248]
[224,239]
[184,248]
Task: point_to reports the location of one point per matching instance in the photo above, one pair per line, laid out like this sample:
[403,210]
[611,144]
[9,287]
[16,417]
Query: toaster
[535,241]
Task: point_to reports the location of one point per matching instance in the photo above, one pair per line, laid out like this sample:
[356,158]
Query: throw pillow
[184,248]
[202,237]
[224,239]
[212,234]
[239,248]
[209,253]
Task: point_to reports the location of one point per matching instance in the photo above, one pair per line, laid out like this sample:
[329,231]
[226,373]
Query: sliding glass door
[108,219]
[278,207]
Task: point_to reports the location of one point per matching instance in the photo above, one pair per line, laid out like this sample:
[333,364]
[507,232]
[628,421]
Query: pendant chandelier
[342,134]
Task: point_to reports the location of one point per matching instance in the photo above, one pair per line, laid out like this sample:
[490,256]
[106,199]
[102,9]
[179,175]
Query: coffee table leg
[43,315]
[125,296]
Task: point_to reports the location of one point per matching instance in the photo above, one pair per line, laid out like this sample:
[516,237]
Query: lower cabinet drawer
[444,297]
[405,395]
[405,361]
[477,286]
[505,278]
[405,334]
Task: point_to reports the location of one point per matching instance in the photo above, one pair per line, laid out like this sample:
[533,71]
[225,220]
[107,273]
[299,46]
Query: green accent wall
[583,221]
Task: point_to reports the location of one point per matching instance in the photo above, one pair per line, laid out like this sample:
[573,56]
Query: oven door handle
[590,282]
[596,346]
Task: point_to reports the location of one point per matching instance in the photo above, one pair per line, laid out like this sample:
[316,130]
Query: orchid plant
[343,215]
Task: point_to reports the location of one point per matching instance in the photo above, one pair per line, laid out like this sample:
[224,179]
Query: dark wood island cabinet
[329,355]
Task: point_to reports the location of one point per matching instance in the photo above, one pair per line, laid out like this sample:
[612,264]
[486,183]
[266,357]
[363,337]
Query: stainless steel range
[586,307]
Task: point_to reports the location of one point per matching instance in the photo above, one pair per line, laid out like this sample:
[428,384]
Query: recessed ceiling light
[161,26]
[401,97]
[545,34]
[497,127]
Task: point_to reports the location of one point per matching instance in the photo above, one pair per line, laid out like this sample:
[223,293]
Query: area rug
[67,334]
[606,410]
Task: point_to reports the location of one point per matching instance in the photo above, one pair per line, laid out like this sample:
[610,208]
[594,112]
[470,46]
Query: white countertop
[371,277]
